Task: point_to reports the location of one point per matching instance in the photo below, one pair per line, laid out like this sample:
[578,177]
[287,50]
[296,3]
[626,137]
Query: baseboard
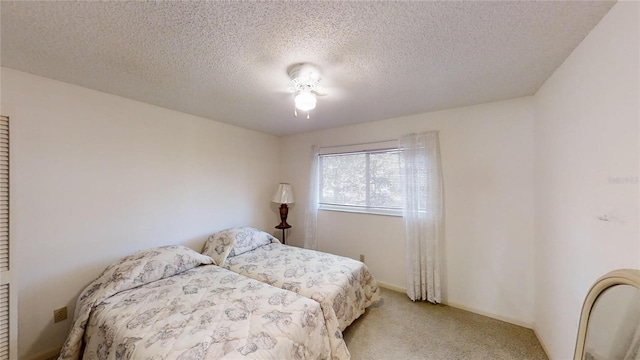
[391,287]
[541,341]
[466,308]
[45,355]
[507,319]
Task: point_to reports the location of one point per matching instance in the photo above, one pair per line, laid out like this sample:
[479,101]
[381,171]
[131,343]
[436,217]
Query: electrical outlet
[361,258]
[60,314]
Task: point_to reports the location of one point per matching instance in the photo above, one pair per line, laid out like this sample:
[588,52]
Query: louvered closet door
[8,316]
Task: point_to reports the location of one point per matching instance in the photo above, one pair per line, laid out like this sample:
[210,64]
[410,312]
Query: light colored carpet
[398,328]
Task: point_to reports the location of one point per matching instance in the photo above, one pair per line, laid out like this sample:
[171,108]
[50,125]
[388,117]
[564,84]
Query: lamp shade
[284,194]
[305,101]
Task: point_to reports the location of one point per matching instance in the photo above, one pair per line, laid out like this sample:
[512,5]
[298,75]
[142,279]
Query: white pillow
[235,241]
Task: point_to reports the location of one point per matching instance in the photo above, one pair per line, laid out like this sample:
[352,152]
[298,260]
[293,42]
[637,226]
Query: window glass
[367,181]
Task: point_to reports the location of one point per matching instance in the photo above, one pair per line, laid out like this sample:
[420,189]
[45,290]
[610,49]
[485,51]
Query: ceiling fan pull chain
[295,112]
[307,116]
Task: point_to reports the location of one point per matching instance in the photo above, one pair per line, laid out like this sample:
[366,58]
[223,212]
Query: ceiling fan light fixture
[305,101]
[304,81]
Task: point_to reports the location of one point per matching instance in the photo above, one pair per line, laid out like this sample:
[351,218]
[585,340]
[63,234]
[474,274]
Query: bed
[344,287]
[170,303]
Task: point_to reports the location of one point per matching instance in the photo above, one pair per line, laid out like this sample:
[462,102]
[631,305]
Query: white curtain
[423,216]
[311,216]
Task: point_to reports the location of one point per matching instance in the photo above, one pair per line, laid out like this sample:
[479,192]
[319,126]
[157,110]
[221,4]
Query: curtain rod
[358,144]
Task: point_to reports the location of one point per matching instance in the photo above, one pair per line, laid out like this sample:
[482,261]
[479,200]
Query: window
[365,181]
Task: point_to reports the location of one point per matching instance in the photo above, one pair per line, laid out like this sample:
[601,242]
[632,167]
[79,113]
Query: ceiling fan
[305,85]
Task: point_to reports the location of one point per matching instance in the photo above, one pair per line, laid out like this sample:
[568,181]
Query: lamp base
[284,211]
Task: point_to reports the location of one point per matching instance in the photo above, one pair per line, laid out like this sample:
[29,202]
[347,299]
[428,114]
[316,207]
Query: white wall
[586,139]
[96,177]
[487,160]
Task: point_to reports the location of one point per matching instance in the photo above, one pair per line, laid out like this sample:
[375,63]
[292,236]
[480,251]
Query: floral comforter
[343,287]
[205,312]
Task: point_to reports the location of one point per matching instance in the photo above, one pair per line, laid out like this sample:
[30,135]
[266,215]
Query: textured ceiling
[228,61]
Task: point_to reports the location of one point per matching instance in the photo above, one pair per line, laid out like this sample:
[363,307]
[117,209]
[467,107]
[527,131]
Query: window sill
[361,210]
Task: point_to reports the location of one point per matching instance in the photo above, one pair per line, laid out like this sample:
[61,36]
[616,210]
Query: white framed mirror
[610,320]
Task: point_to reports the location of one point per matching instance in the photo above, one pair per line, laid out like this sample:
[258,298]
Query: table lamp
[283,196]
